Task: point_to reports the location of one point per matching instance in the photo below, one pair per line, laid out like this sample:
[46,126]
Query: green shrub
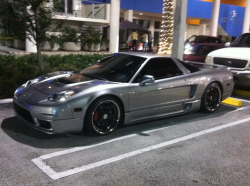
[14,71]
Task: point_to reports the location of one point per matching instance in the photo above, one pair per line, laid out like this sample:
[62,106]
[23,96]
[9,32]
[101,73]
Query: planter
[2,42]
[104,47]
[97,47]
[93,48]
[9,43]
[19,44]
[47,47]
[72,46]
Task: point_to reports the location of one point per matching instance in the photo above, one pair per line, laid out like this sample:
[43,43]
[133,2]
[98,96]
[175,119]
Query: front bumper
[241,78]
[48,119]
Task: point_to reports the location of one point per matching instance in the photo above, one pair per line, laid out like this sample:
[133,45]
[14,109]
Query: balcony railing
[84,10]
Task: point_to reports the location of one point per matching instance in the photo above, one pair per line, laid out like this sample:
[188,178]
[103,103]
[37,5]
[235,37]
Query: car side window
[160,68]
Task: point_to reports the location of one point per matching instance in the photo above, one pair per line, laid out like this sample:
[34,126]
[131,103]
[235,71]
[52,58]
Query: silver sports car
[120,89]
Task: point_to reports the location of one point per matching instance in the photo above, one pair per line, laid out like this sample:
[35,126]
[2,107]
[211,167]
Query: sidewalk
[14,51]
[8,50]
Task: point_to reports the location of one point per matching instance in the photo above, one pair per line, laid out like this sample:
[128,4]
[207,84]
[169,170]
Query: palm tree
[167,28]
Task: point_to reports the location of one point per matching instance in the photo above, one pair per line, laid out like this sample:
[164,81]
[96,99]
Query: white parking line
[57,175]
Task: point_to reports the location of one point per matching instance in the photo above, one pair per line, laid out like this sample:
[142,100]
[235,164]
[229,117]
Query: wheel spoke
[212,98]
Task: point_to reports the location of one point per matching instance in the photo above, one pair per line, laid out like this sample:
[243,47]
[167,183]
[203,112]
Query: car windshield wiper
[94,77]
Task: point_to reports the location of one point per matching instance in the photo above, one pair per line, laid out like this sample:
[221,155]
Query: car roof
[207,36]
[145,55]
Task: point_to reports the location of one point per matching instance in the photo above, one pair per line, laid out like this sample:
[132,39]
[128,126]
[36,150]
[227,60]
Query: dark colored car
[197,47]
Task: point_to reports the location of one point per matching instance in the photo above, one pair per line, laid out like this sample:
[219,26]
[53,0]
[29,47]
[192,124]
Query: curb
[241,93]
[232,101]
[10,100]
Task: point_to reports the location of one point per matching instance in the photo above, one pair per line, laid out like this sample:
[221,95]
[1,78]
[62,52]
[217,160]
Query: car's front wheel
[103,116]
[211,98]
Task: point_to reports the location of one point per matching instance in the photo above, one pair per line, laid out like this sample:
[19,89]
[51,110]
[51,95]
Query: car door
[163,97]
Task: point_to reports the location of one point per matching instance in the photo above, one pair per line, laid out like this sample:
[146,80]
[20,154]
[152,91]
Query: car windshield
[118,68]
[197,39]
[242,41]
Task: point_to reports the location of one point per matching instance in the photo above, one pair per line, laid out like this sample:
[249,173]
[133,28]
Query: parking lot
[192,149]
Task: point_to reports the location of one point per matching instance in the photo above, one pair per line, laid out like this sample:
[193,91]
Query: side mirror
[147,79]
[227,44]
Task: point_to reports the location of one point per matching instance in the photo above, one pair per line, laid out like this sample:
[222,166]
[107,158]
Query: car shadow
[22,133]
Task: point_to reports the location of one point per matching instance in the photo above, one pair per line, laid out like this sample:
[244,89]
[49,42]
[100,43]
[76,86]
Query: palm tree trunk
[167,28]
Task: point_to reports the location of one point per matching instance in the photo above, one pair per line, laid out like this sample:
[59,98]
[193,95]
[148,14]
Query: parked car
[120,89]
[198,46]
[236,56]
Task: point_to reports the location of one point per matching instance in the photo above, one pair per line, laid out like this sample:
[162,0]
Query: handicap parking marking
[57,175]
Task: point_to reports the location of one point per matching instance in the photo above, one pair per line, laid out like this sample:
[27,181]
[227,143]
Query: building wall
[232,2]
[154,6]
[230,18]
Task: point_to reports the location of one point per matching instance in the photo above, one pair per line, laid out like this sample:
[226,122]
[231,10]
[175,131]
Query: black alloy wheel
[103,116]
[211,98]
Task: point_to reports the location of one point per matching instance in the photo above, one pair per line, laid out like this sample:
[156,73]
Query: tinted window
[203,50]
[200,39]
[190,67]
[242,41]
[160,68]
[119,68]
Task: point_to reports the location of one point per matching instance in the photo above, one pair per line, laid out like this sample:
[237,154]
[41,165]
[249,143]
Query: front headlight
[187,46]
[189,51]
[209,60]
[61,96]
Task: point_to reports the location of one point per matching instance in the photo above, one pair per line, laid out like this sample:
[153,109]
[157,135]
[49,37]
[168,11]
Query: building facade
[148,14]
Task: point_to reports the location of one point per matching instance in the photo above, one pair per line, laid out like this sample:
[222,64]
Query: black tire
[103,116]
[211,98]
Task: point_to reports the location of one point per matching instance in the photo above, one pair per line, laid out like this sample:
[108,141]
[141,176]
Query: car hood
[231,52]
[54,86]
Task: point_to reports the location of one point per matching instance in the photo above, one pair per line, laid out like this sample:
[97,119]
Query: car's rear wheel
[211,98]
[103,116]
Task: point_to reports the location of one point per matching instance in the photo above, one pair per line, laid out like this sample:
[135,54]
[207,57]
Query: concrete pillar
[114,25]
[75,7]
[93,11]
[246,22]
[215,18]
[202,27]
[29,43]
[186,32]
[180,17]
[152,25]
[30,46]
[108,12]
[66,7]
[128,15]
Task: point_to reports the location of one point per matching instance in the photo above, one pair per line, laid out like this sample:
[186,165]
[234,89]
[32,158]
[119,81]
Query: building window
[142,23]
[59,6]
[157,24]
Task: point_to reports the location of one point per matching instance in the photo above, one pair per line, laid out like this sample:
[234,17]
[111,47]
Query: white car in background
[237,57]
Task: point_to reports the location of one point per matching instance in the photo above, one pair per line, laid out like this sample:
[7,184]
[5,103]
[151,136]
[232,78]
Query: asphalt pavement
[192,149]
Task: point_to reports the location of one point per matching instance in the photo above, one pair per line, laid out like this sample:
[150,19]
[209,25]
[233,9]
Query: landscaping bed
[16,70]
